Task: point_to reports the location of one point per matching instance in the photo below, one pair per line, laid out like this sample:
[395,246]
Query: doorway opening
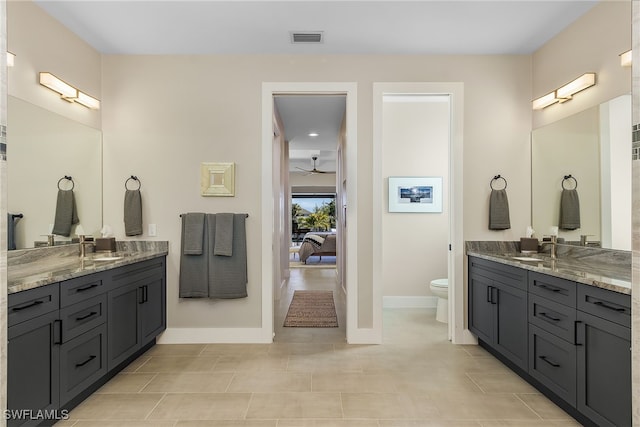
[300,164]
[452,251]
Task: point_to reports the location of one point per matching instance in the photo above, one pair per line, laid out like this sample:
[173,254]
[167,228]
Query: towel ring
[495,178]
[568,177]
[135,178]
[68,178]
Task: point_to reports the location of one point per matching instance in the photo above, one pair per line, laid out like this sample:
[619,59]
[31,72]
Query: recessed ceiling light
[314,134]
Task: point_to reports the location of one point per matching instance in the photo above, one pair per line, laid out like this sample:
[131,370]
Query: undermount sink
[525,258]
[108,258]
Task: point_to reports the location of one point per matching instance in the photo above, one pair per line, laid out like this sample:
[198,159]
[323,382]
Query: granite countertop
[32,268]
[601,273]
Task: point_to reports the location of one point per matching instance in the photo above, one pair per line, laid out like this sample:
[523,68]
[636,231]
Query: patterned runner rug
[312,309]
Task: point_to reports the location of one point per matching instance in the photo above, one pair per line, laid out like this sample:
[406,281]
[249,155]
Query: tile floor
[311,378]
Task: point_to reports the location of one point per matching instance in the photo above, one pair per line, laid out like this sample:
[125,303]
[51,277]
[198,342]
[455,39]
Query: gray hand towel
[194,267]
[228,274]
[224,234]
[569,210]
[11,231]
[499,210]
[193,233]
[66,213]
[132,213]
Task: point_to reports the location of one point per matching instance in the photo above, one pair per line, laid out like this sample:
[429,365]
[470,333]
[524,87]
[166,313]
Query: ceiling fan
[314,170]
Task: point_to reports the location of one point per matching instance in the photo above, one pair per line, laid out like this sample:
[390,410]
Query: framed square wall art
[217,179]
[415,194]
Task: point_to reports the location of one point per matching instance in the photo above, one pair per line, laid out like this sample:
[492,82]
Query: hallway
[310,277]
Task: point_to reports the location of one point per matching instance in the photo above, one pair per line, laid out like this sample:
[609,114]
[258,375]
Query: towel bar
[245,215]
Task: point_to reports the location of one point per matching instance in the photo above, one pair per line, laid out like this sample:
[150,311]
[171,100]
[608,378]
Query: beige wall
[591,44]
[41,43]
[415,138]
[172,115]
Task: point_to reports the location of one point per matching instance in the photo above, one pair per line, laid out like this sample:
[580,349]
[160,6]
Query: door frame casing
[458,332]
[349,89]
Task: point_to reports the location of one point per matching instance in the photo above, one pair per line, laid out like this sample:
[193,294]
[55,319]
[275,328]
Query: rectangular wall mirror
[42,148]
[593,146]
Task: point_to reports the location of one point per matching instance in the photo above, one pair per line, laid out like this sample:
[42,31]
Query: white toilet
[440,288]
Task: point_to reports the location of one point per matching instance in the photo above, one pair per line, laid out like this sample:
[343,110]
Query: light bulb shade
[87,101]
[581,83]
[65,90]
[545,101]
[11,59]
[626,59]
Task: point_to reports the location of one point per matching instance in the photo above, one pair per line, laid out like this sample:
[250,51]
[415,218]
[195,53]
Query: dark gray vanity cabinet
[579,337]
[136,302]
[604,356]
[33,360]
[61,336]
[498,307]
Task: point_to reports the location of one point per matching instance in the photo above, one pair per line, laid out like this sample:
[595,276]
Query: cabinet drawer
[83,361]
[605,304]
[554,318]
[79,289]
[505,274]
[135,272]
[28,304]
[552,361]
[553,288]
[83,316]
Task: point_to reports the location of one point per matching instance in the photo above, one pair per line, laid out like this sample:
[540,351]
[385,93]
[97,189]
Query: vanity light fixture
[545,101]
[68,92]
[626,59]
[565,92]
[11,59]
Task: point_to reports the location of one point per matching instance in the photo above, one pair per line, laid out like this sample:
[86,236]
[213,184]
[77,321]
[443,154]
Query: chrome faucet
[83,245]
[554,246]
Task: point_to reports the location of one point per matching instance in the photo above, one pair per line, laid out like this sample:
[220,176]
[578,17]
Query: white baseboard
[214,336]
[409,302]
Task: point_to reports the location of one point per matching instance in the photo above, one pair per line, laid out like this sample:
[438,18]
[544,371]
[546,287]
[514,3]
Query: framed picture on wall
[415,194]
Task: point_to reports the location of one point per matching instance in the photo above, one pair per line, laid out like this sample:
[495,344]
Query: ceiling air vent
[307,37]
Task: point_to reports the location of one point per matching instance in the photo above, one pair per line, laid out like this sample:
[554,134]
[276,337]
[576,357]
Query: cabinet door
[122,323]
[604,371]
[481,311]
[510,336]
[152,310]
[33,367]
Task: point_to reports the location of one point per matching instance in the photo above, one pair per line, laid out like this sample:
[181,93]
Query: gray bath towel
[66,213]
[228,274]
[194,268]
[499,210]
[132,213]
[193,233]
[569,210]
[224,234]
